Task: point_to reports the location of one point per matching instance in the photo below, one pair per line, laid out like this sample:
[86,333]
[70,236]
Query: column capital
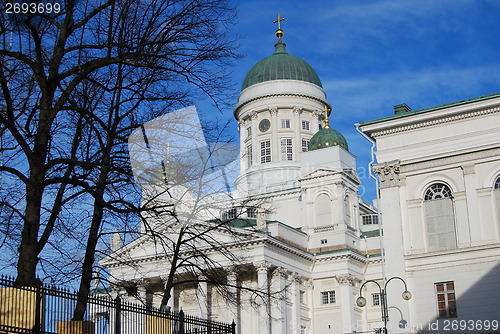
[388,173]
[309,282]
[279,272]
[273,110]
[141,283]
[254,114]
[231,271]
[297,110]
[468,169]
[262,266]
[295,277]
[316,114]
[346,279]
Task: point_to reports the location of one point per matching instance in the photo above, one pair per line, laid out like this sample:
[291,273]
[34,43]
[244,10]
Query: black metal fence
[48,310]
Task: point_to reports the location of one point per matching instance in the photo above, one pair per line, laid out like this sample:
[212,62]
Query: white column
[346,282]
[142,295]
[295,280]
[278,296]
[141,290]
[243,148]
[309,284]
[263,300]
[275,143]
[232,299]
[202,294]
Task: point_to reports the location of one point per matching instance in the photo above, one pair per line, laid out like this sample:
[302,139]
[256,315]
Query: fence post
[233,328]
[118,315]
[38,308]
[181,322]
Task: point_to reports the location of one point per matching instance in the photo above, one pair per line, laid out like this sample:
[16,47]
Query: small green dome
[327,137]
[281,66]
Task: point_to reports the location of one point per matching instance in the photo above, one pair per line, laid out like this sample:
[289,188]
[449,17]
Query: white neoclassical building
[439,172]
[301,232]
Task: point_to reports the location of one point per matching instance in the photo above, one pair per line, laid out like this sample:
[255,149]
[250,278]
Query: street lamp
[361,301]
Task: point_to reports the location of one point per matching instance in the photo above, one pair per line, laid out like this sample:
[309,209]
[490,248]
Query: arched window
[439,218]
[496,194]
[323,210]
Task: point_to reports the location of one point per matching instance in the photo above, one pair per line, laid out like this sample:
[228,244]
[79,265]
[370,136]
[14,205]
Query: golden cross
[279,21]
[327,121]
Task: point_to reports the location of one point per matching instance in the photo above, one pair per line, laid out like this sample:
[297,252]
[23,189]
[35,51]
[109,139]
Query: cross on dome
[279,32]
[327,121]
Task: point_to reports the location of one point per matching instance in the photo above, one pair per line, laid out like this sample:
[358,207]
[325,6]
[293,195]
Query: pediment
[324,172]
[320,172]
[159,243]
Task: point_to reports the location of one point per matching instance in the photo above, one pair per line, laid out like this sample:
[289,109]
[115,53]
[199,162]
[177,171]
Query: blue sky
[372,55]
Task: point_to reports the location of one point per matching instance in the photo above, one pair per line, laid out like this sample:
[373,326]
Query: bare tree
[194,242]
[73,85]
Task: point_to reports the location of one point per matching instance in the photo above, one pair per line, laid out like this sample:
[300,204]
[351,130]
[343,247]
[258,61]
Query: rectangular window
[446,302]
[251,212]
[302,297]
[285,124]
[249,155]
[229,214]
[370,219]
[265,151]
[286,149]
[305,145]
[376,299]
[305,125]
[328,297]
[249,131]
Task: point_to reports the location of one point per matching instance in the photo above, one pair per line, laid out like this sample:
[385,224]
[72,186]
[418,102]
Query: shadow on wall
[475,310]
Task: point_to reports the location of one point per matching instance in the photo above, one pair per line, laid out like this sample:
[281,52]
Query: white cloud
[371,97]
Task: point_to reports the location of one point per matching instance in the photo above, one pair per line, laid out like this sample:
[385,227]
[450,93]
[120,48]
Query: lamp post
[361,301]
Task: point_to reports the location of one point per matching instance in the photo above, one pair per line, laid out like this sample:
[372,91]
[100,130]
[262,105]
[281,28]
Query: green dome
[281,66]
[327,137]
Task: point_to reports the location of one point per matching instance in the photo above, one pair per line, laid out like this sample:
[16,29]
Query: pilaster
[393,239]
[474,218]
[346,282]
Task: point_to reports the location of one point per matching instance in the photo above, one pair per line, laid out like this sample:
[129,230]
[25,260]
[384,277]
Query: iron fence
[47,309]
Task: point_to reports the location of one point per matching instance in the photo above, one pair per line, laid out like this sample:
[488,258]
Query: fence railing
[46,309]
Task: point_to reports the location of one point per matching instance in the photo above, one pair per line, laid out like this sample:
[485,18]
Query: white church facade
[306,239]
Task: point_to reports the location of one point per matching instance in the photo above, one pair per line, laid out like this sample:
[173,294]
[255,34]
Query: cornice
[347,255]
[418,123]
[261,97]
[449,161]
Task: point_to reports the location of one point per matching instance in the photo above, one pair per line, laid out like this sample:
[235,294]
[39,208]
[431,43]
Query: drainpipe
[377,186]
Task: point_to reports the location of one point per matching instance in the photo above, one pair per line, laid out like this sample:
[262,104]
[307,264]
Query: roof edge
[421,111]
